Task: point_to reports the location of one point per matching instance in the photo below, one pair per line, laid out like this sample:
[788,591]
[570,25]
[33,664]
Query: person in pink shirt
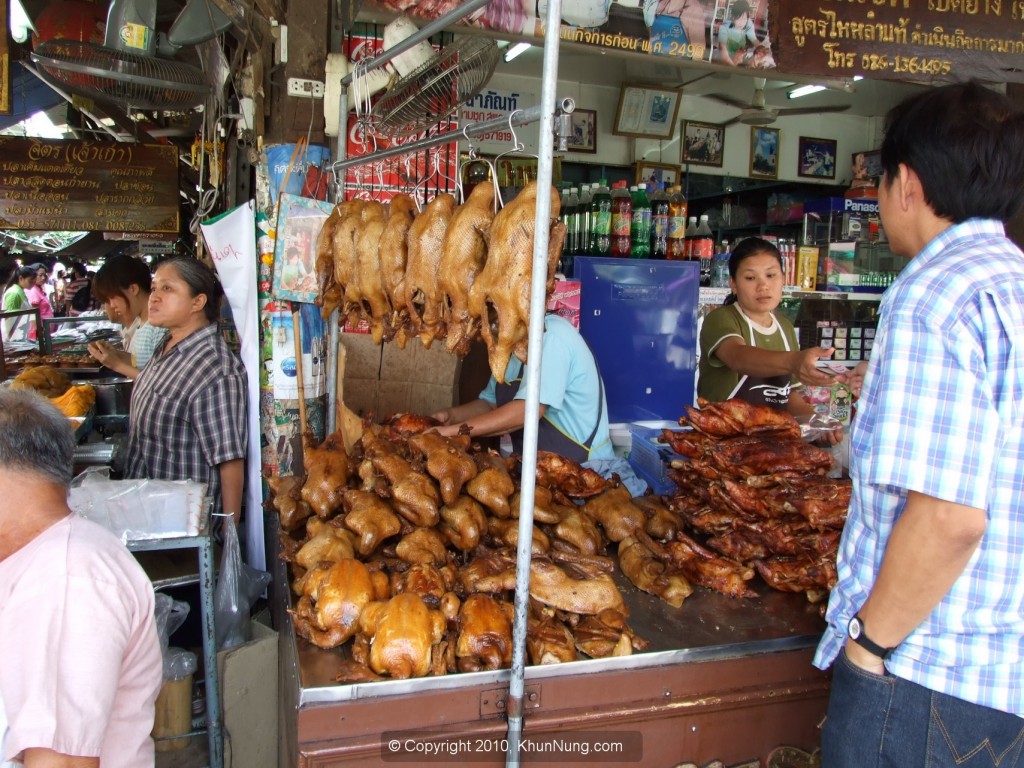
[80,662]
[37,295]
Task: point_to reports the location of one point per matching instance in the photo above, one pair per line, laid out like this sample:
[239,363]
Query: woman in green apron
[748,351]
[573,410]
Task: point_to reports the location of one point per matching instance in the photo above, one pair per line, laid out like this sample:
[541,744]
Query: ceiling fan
[758,113]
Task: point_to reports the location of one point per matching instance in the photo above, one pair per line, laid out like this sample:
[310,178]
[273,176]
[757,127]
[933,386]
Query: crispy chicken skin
[333,598]
[425,246]
[485,634]
[327,472]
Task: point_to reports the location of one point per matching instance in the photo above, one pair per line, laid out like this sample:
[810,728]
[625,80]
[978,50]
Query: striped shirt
[188,412]
[942,413]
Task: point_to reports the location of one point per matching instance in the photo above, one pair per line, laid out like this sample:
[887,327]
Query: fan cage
[130,80]
[435,89]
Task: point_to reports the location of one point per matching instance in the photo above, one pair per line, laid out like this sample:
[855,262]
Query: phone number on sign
[561,748]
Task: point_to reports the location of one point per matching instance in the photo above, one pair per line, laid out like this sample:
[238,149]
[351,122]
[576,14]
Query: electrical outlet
[309,89]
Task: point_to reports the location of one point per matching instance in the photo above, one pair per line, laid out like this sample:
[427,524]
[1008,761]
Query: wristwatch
[856,631]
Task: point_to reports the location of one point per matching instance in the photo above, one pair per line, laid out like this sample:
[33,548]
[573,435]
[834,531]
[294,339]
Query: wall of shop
[852,132]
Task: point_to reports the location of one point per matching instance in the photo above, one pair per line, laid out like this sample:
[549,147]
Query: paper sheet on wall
[231,238]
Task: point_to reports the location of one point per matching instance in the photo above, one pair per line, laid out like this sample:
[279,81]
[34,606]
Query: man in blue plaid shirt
[926,624]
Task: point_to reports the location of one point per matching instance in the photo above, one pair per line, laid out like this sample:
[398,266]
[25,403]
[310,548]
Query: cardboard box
[383,379]
[249,699]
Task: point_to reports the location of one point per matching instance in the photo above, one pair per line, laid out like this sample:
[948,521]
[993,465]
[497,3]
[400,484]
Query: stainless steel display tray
[708,626]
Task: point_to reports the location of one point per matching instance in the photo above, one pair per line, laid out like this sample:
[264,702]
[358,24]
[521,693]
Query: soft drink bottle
[704,249]
[601,220]
[640,229]
[677,209]
[622,220]
[659,223]
[584,212]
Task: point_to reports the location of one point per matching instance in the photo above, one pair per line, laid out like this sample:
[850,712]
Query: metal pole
[440,24]
[538,296]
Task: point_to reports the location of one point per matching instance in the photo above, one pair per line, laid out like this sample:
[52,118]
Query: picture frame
[816,158]
[657,173]
[300,221]
[702,144]
[764,153]
[647,111]
[867,169]
[584,131]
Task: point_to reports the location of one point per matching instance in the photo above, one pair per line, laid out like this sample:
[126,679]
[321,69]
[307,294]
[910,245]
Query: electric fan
[125,70]
[436,88]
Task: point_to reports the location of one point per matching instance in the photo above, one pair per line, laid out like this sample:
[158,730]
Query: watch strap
[870,645]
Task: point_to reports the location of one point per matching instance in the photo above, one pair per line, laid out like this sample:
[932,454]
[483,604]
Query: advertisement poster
[733,33]
[283,371]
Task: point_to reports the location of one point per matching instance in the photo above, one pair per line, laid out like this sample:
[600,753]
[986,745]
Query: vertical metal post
[206,592]
[538,296]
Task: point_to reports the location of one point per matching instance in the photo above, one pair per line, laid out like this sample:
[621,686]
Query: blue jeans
[882,721]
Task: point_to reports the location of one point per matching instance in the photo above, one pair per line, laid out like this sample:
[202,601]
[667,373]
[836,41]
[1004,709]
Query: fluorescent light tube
[515,50]
[804,90]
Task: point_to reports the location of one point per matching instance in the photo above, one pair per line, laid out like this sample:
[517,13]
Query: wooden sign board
[88,186]
[929,41]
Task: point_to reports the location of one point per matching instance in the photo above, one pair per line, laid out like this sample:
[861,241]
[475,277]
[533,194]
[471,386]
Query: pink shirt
[81,664]
[37,298]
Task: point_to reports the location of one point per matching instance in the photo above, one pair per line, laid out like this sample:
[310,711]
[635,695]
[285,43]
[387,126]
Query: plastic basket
[649,459]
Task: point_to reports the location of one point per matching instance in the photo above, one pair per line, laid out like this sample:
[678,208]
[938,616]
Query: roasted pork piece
[738,417]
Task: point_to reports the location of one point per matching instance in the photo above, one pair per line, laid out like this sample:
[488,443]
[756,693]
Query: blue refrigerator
[639,316]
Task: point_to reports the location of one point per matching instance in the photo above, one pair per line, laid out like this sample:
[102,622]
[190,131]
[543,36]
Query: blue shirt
[942,413]
[569,386]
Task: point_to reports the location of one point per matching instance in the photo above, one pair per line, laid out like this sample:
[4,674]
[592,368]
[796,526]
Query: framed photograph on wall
[647,111]
[817,158]
[866,167]
[764,153]
[584,131]
[657,173]
[703,143]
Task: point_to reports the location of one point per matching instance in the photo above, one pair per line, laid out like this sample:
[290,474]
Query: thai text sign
[913,40]
[88,186]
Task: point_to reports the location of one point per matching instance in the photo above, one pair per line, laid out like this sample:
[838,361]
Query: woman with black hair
[188,415]
[748,351]
[15,299]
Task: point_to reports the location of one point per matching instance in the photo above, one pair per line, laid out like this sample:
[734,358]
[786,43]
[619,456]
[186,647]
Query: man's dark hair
[964,143]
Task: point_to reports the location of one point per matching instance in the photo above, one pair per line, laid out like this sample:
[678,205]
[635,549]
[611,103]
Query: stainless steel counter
[708,626]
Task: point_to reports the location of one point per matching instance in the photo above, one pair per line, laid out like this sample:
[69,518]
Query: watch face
[855,628]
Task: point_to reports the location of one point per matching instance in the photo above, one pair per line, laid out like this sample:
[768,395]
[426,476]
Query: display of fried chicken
[463,523]
[328,291]
[327,472]
[500,295]
[485,634]
[425,247]
[370,517]
[393,255]
[565,475]
[606,634]
[738,417]
[447,462]
[650,574]
[584,591]
[493,485]
[333,599]
[704,567]
[549,640]
[287,500]
[403,633]
[462,259]
[616,513]
[346,233]
[401,425]
[365,292]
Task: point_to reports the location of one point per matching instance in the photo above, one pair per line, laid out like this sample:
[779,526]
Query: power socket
[308,89]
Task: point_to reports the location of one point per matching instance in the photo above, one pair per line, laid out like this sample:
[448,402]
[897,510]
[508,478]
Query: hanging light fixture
[515,50]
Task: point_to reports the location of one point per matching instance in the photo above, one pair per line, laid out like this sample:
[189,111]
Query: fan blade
[727,123]
[725,99]
[812,110]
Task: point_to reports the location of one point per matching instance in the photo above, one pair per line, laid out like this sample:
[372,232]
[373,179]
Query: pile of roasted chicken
[405,549]
[760,496]
[449,272]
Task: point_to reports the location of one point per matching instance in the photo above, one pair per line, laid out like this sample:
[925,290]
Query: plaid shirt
[942,413]
[188,412]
